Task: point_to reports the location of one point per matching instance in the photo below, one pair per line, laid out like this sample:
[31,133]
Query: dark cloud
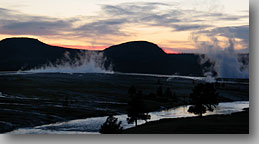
[232,17]
[114,10]
[160,20]
[35,27]
[126,9]
[140,13]
[111,20]
[215,16]
[241,32]
[4,12]
[190,27]
[102,27]
[151,14]
[127,13]
[14,23]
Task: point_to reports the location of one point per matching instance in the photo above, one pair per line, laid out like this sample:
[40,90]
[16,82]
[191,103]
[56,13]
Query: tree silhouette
[204,97]
[137,110]
[111,126]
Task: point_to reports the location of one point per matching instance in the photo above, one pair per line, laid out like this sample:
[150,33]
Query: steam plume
[224,57]
[85,62]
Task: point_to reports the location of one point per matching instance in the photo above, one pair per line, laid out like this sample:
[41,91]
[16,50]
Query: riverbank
[38,99]
[235,123]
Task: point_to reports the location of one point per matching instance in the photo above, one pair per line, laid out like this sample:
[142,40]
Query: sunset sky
[175,25]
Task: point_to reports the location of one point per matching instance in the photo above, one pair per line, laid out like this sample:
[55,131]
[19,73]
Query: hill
[27,53]
[130,57]
[146,57]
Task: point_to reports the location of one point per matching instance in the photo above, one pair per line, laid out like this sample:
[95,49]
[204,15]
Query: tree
[111,126]
[204,97]
[137,110]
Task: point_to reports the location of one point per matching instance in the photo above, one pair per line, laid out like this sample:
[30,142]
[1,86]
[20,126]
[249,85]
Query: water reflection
[92,125]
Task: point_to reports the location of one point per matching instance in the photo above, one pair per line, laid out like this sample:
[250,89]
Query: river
[92,125]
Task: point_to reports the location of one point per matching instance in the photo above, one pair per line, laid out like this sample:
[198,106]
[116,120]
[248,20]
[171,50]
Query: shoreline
[235,123]
[153,121]
[35,100]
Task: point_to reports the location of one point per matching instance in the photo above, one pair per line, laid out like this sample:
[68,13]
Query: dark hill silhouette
[131,57]
[135,50]
[146,57]
[26,53]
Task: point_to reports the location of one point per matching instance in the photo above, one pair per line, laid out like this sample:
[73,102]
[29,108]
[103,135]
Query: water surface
[92,125]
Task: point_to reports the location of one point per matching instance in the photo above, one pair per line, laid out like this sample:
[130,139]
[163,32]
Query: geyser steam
[84,62]
[225,59]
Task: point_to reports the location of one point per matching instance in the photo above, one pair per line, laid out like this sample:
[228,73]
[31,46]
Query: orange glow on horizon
[171,51]
[168,51]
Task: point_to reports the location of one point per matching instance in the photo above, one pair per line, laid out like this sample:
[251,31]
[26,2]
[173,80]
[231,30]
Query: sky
[174,25]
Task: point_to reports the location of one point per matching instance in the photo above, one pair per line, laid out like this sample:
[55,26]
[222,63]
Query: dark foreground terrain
[28,100]
[236,123]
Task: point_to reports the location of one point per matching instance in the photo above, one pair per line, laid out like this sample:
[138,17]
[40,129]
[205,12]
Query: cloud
[15,23]
[167,15]
[35,28]
[112,20]
[153,14]
[236,40]
[128,13]
[4,13]
[241,32]
[102,27]
[215,16]
[189,27]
